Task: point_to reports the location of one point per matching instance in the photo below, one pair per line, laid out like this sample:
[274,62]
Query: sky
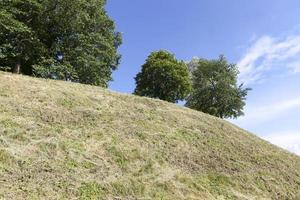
[261,36]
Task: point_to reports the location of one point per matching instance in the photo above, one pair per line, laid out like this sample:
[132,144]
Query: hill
[61,140]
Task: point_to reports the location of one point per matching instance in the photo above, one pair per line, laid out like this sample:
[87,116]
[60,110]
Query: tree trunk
[17,68]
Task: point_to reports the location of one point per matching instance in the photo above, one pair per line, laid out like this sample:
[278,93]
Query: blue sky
[261,36]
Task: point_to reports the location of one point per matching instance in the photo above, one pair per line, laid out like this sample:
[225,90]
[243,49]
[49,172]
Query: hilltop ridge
[62,140]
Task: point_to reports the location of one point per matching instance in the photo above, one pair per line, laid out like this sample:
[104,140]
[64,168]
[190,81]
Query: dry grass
[61,140]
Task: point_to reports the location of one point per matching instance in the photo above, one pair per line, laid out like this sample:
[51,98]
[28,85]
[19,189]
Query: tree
[215,89]
[19,45]
[163,77]
[63,39]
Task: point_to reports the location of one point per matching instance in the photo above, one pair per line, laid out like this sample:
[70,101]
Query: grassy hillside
[62,140]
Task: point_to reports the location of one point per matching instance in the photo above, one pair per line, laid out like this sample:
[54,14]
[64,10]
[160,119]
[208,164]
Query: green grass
[62,140]
[90,191]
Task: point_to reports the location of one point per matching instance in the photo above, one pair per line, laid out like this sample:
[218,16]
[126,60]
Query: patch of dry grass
[63,140]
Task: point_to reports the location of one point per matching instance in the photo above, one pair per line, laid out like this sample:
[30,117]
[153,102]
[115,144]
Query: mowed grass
[61,140]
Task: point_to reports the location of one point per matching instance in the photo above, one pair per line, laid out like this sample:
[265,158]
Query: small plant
[91,191]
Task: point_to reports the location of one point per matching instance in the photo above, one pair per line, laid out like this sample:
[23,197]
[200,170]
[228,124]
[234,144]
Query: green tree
[163,77]
[20,47]
[215,89]
[63,39]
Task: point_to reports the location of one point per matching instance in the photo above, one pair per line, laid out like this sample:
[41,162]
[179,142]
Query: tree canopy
[62,39]
[163,77]
[215,88]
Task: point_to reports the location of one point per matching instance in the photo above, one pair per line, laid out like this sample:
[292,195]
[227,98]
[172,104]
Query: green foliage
[215,89]
[76,36]
[163,77]
[55,70]
[19,43]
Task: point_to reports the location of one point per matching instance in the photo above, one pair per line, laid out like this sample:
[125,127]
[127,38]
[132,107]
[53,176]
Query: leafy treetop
[163,77]
[215,89]
[62,39]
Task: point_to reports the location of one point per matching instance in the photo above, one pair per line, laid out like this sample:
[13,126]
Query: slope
[61,140]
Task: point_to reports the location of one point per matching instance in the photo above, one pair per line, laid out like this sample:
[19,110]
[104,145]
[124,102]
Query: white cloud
[263,113]
[265,58]
[295,66]
[258,116]
[287,140]
[267,53]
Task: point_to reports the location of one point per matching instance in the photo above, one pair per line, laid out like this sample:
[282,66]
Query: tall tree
[20,46]
[163,77]
[62,39]
[215,88]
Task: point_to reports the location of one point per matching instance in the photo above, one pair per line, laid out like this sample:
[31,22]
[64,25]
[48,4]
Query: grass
[90,191]
[62,140]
